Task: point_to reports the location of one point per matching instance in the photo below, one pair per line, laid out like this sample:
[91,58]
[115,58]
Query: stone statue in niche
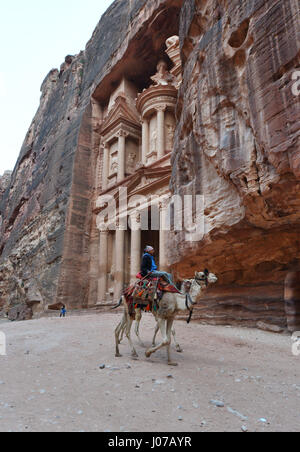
[131,162]
[163,76]
[170,131]
[153,142]
[114,167]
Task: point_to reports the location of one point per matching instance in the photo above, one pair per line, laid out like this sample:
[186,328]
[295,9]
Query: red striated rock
[237,144]
[292,301]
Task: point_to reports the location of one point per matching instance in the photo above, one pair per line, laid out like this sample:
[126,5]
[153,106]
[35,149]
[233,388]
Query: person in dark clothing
[63,312]
[149,266]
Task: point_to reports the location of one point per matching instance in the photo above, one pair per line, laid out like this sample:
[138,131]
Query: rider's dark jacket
[148,264]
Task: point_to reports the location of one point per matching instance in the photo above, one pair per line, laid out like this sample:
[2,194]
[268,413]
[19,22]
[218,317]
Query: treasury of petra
[169,99]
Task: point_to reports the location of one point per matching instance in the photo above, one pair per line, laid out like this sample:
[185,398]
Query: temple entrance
[137,136]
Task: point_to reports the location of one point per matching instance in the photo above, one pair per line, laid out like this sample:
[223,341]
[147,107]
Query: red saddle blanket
[167,288]
[146,290]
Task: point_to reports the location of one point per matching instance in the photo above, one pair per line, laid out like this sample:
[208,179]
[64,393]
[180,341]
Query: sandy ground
[51,381]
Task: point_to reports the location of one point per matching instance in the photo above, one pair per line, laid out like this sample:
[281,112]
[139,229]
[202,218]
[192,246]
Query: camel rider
[149,266]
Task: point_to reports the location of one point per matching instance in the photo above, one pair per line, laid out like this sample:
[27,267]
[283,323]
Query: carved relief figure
[163,76]
[114,166]
[170,130]
[131,162]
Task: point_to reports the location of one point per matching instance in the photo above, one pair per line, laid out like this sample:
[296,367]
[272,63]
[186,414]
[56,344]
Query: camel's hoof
[134,355]
[179,350]
[118,355]
[173,364]
[148,354]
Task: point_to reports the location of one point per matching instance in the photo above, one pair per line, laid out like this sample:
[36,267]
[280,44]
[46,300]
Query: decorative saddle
[146,293]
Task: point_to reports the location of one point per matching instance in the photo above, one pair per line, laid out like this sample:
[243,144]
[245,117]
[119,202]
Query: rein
[188,298]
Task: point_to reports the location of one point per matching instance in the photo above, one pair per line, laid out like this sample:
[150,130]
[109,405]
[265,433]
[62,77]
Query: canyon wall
[237,144]
[4,183]
[45,234]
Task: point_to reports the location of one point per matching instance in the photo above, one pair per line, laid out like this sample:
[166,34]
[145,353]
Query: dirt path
[51,379]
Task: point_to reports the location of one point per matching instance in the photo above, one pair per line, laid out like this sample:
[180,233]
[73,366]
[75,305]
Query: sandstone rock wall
[4,182]
[45,236]
[237,144]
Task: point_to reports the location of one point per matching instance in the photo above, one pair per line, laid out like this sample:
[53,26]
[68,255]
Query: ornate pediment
[148,180]
[122,113]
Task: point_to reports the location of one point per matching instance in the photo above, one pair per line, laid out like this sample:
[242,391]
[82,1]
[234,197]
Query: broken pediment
[121,113]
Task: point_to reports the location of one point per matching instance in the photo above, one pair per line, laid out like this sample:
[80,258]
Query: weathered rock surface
[237,144]
[292,301]
[45,236]
[4,182]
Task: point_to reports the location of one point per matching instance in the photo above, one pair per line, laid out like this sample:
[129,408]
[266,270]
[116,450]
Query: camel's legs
[169,332]
[155,334]
[138,313]
[118,331]
[177,345]
[121,336]
[165,342]
[128,334]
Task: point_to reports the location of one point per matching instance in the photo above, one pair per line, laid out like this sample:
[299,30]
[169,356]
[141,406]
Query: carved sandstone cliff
[45,237]
[237,143]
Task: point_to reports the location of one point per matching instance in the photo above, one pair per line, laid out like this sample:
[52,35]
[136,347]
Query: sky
[35,37]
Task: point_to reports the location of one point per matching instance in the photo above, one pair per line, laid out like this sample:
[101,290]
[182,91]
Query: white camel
[170,305]
[186,286]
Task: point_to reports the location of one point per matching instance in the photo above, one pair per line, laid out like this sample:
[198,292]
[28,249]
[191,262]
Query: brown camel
[170,305]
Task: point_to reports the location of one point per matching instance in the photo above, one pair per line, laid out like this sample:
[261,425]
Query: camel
[170,305]
[186,285]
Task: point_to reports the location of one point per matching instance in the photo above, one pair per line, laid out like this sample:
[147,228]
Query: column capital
[104,146]
[136,221]
[163,203]
[161,108]
[122,133]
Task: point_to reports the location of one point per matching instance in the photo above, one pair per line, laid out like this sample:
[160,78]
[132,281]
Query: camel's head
[205,278]
[186,285]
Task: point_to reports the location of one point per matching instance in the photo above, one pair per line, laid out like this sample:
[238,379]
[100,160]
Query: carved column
[105,166]
[160,132]
[145,142]
[163,263]
[120,262]
[121,155]
[103,255]
[135,255]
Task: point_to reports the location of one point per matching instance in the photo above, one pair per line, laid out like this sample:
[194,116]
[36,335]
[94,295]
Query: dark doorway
[151,238]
